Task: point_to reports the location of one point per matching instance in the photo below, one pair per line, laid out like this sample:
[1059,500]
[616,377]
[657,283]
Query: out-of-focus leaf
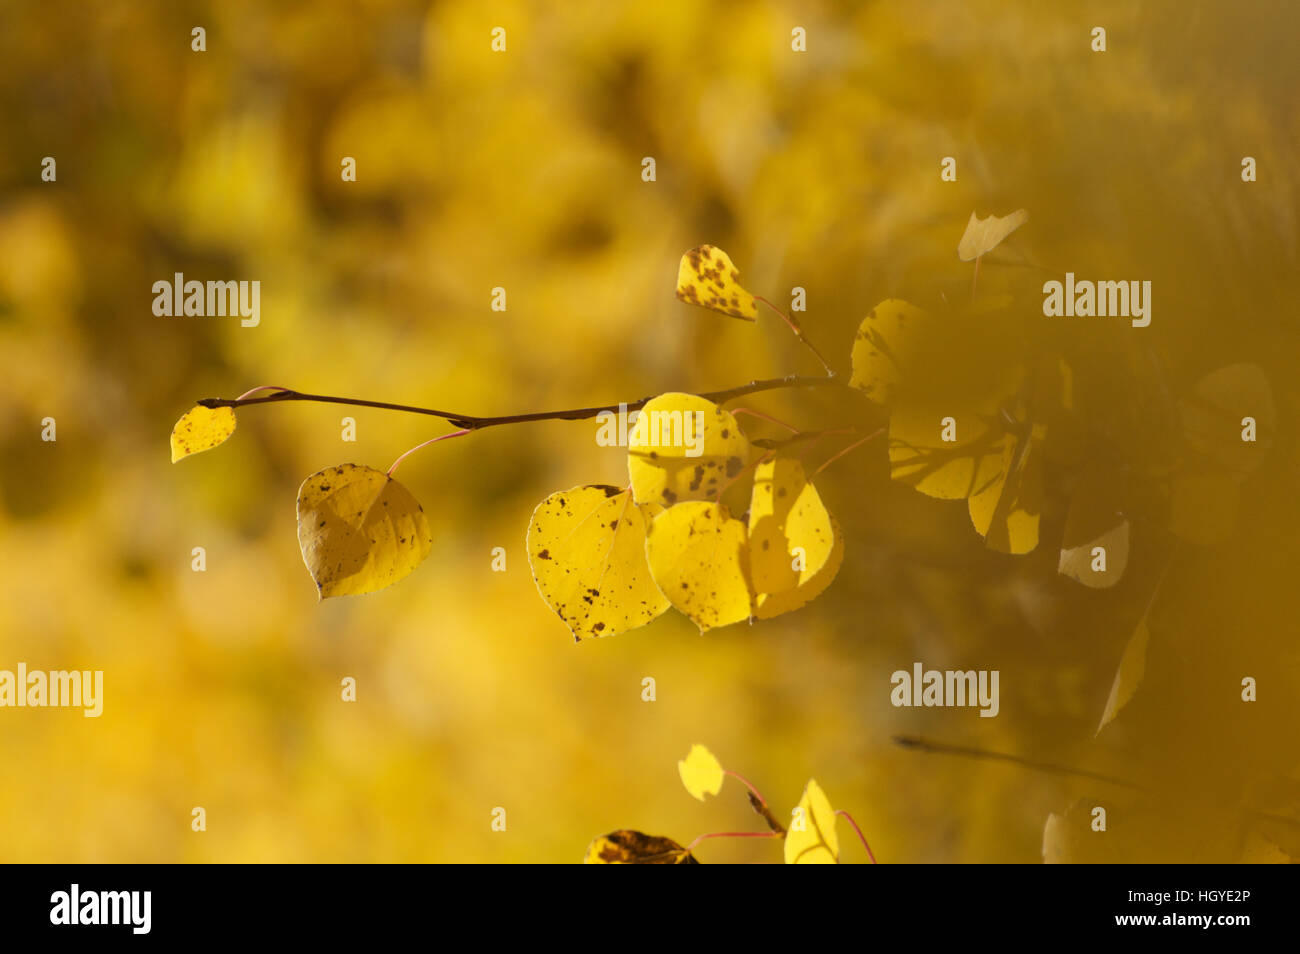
[984,235]
[701,772]
[628,847]
[1094,521]
[811,839]
[1132,667]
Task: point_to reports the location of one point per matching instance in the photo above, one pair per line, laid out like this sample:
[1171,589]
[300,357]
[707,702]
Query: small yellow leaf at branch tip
[701,773]
[200,429]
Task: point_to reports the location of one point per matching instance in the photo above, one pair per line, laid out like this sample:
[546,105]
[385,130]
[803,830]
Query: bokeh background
[522,169]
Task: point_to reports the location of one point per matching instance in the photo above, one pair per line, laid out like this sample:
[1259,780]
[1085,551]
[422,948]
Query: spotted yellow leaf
[808,588]
[201,428]
[586,548]
[701,773]
[811,838]
[359,530]
[707,277]
[883,350]
[790,532]
[683,447]
[628,847]
[984,235]
[699,557]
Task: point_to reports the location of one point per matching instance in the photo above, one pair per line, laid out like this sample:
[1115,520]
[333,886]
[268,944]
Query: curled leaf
[683,447]
[586,548]
[200,429]
[701,773]
[811,839]
[699,557]
[707,277]
[984,235]
[359,530]
[628,847]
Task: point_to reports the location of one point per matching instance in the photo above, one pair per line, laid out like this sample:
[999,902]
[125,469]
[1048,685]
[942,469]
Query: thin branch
[471,422]
[940,748]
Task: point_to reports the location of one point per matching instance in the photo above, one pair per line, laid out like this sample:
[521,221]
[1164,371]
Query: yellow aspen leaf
[811,838]
[1057,848]
[359,530]
[699,557]
[1214,416]
[1006,507]
[884,347]
[701,773]
[707,277]
[920,454]
[807,589]
[790,533]
[201,428]
[586,548]
[1132,667]
[1094,522]
[683,447]
[628,847]
[984,235]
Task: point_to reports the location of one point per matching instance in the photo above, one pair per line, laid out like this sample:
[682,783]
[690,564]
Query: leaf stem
[858,443]
[440,437]
[870,853]
[798,333]
[733,834]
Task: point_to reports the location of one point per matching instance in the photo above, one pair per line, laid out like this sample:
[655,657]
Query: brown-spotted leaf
[628,847]
[706,277]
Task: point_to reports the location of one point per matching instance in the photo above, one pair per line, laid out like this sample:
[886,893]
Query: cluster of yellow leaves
[608,560]
[811,838]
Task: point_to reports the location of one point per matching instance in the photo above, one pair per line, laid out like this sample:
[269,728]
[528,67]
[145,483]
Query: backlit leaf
[811,839]
[1213,414]
[586,548]
[701,773]
[809,587]
[984,235]
[699,556]
[201,428]
[949,470]
[627,847]
[1132,667]
[1005,508]
[786,514]
[884,347]
[683,447]
[1094,521]
[359,530]
[707,277]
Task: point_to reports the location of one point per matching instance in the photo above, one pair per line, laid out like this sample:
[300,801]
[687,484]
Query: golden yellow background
[522,169]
